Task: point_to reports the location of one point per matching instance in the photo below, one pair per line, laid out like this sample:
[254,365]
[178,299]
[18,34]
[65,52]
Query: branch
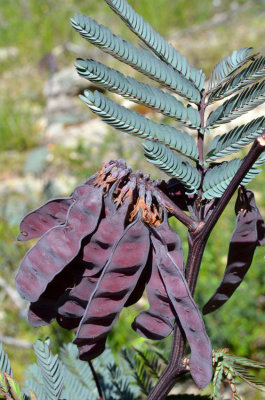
[24,344]
[256,150]
[174,209]
[12,293]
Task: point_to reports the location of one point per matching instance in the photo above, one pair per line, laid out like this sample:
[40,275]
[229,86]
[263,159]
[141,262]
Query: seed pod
[188,314]
[158,322]
[47,216]
[93,349]
[57,247]
[72,304]
[44,310]
[247,235]
[96,250]
[138,291]
[118,279]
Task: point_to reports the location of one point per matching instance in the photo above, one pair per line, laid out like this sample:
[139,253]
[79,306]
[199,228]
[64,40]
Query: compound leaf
[168,161]
[4,362]
[136,124]
[218,178]
[228,65]
[155,42]
[234,140]
[252,73]
[138,92]
[237,105]
[50,370]
[139,59]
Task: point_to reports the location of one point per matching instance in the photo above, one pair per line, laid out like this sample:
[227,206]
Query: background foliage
[34,166]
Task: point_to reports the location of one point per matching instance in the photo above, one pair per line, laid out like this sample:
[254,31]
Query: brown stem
[174,209]
[96,380]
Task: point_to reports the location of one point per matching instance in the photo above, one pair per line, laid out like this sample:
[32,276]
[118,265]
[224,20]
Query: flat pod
[158,321]
[44,310]
[57,247]
[247,235]
[188,315]
[72,304]
[97,249]
[118,280]
[95,252]
[50,214]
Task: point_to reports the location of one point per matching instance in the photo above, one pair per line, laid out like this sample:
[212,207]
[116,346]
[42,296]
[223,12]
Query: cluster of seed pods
[97,252]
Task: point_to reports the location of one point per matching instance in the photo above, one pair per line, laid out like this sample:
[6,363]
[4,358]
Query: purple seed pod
[96,249]
[138,291]
[72,304]
[247,235]
[50,214]
[158,322]
[188,314]
[117,281]
[58,246]
[93,349]
[94,254]
[44,310]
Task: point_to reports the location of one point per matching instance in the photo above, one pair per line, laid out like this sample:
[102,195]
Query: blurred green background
[49,142]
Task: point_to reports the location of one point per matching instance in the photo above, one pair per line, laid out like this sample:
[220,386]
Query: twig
[12,293]
[96,380]
[23,344]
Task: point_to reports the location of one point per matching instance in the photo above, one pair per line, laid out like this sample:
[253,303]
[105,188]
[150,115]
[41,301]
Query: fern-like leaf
[236,139]
[139,59]
[218,178]
[237,105]
[155,42]
[254,170]
[77,374]
[4,362]
[139,92]
[50,369]
[136,124]
[252,73]
[141,375]
[121,383]
[34,382]
[150,361]
[168,161]
[228,65]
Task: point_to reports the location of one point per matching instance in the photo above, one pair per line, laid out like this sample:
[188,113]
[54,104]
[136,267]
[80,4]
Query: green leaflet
[139,92]
[156,42]
[4,362]
[255,170]
[50,369]
[218,178]
[235,139]
[168,161]
[228,65]
[252,73]
[136,124]
[141,60]
[238,105]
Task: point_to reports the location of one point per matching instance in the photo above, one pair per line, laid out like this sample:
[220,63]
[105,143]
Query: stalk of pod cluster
[97,252]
